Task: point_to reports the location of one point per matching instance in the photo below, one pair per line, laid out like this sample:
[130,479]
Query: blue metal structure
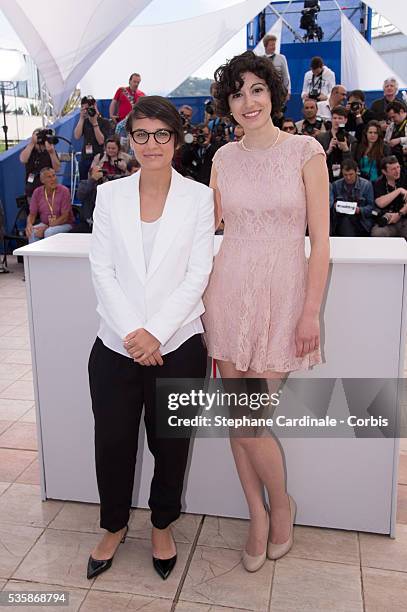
[299,53]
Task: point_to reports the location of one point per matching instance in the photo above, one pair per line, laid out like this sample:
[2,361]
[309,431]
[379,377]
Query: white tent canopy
[361,66]
[394,10]
[166,54]
[66,46]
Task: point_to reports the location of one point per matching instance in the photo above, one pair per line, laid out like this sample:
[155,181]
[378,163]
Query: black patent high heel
[164,567]
[97,566]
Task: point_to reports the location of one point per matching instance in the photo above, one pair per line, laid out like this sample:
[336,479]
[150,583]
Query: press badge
[89,149]
[30,178]
[346,208]
[336,170]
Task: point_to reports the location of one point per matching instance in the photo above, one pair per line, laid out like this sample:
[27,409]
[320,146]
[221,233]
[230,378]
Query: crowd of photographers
[366,151]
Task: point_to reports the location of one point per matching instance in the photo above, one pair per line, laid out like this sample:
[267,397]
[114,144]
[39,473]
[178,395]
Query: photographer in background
[396,134]
[352,202]
[390,193]
[311,125]
[318,82]
[125,98]
[358,115]
[210,104]
[94,129]
[113,162]
[337,98]
[288,126]
[196,158]
[38,154]
[337,142]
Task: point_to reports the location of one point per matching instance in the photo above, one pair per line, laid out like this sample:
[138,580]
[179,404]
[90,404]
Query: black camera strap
[316,84]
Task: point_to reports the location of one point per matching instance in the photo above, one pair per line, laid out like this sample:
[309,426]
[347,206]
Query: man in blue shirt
[352,188]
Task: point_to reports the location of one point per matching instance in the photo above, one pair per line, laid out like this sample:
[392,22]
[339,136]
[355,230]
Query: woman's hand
[141,345]
[307,335]
[155,359]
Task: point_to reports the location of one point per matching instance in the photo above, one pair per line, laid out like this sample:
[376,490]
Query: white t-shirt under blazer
[151,275]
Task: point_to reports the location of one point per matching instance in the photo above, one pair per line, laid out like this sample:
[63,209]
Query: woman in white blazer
[151,255]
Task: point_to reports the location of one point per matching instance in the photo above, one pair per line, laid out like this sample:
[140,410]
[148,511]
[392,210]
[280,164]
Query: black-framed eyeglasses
[161,136]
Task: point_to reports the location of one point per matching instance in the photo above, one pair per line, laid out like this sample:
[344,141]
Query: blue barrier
[12,175]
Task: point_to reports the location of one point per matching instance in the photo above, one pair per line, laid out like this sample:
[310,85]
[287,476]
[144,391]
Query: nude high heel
[275,551]
[254,563]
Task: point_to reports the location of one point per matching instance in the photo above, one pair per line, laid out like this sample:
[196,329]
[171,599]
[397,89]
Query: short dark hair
[134,74]
[132,163]
[396,106]
[349,164]
[316,62]
[357,93]
[115,139]
[311,100]
[157,107]
[340,110]
[228,78]
[388,161]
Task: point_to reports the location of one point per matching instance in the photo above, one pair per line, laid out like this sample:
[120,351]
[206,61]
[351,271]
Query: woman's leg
[170,453]
[259,463]
[266,457]
[117,401]
[251,483]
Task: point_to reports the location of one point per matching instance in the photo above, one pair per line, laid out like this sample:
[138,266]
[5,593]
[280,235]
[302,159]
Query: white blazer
[169,294]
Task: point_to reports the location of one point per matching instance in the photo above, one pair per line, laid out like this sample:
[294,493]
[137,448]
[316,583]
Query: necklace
[269,147]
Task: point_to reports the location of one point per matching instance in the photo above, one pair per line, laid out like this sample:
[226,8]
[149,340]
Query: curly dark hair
[228,78]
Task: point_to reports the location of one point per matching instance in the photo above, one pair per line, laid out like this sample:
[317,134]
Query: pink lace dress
[256,291]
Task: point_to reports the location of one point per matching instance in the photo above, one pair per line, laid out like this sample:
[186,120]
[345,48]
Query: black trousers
[119,389]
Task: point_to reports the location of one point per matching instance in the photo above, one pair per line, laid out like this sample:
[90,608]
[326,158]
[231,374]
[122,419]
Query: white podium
[345,483]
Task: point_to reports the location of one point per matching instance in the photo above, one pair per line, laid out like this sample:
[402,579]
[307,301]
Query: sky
[163,11]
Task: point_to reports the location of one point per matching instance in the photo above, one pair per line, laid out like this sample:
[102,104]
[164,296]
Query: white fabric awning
[361,66]
[65,38]
[394,10]
[166,54]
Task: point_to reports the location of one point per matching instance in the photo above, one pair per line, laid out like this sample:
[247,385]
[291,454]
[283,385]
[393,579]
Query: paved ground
[45,545]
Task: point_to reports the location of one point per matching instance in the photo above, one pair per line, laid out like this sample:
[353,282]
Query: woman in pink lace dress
[263,299]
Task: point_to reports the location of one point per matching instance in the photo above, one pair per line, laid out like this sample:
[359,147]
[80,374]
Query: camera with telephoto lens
[379,217]
[355,107]
[200,137]
[341,133]
[47,135]
[91,102]
[309,128]
[209,107]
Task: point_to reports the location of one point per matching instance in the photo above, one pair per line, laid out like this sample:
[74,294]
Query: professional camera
[314,93]
[355,107]
[209,107]
[200,137]
[308,128]
[341,133]
[46,135]
[308,21]
[91,102]
[220,132]
[379,218]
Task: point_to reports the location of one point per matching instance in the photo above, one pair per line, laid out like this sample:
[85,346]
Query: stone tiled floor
[45,545]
